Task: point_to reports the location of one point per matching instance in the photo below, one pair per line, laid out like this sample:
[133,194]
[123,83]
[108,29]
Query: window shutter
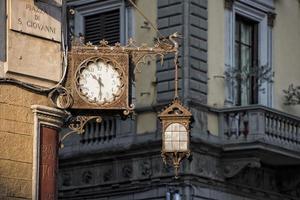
[104,25]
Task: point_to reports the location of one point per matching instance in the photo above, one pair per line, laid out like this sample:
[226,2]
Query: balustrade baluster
[113,127]
[106,130]
[278,130]
[102,136]
[267,127]
[272,126]
[85,135]
[289,131]
[297,134]
[283,131]
[294,136]
[96,135]
[267,124]
[92,132]
[109,129]
[286,134]
[297,130]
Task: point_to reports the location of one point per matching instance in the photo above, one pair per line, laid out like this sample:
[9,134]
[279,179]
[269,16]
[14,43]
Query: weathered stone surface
[40,63]
[35,19]
[16,138]
[179,16]
[15,188]
[15,169]
[13,95]
[10,126]
[15,113]
[20,147]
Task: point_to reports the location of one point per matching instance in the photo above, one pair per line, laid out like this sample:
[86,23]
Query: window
[104,25]
[248,51]
[96,20]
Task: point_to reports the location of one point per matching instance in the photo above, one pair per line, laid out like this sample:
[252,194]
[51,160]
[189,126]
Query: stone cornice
[48,116]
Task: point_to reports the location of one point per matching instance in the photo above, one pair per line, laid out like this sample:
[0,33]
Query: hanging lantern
[175,121]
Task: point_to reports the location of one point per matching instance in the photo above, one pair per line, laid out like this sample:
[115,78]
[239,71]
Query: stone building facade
[245,141]
[30,63]
[244,144]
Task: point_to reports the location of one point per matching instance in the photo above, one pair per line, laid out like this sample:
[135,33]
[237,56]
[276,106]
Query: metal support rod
[141,13]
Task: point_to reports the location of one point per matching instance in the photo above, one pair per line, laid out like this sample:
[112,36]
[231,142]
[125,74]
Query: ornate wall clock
[98,75]
[99,80]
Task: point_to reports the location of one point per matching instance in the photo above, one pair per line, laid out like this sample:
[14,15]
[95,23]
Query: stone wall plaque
[35,18]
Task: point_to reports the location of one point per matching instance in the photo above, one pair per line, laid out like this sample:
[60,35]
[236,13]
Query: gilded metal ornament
[77,125]
[83,58]
[118,56]
[60,97]
[175,120]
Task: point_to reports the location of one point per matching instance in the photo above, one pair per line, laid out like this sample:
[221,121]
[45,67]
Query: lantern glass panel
[176,138]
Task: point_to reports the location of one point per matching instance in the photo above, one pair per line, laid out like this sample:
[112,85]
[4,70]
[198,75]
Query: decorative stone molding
[232,167]
[127,171]
[48,116]
[87,177]
[66,179]
[145,168]
[51,118]
[108,175]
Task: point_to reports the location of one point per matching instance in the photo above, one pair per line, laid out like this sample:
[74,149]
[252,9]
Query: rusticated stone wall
[16,141]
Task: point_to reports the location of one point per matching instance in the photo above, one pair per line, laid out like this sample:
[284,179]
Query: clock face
[99,82]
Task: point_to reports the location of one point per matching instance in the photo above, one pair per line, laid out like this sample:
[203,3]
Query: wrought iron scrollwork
[139,54]
[61,97]
[174,158]
[77,125]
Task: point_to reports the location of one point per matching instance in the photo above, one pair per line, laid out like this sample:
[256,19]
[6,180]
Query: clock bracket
[65,97]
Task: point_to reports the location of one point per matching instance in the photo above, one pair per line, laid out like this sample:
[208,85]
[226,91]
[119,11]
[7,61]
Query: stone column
[47,123]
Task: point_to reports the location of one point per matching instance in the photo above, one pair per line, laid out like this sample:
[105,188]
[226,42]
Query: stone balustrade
[255,123]
[100,132]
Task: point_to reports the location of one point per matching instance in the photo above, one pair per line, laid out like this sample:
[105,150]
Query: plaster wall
[216,52]
[16,141]
[33,60]
[286,54]
[145,90]
[286,39]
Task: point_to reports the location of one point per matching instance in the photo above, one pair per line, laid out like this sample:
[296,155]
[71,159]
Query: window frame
[85,8]
[258,13]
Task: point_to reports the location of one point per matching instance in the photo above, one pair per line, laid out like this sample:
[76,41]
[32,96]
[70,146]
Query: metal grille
[104,25]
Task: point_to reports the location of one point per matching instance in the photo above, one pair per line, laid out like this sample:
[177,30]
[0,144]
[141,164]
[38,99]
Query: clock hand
[94,77]
[100,86]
